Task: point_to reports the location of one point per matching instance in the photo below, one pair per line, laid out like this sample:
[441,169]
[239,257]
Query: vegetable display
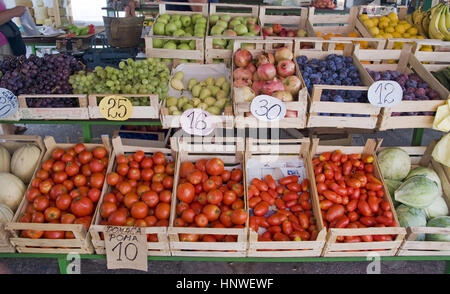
[12,190]
[209,196]
[65,190]
[281,210]
[350,195]
[443,76]
[141,192]
[24,161]
[440,222]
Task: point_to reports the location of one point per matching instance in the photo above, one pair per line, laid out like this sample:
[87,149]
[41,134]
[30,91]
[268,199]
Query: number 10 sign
[385,94]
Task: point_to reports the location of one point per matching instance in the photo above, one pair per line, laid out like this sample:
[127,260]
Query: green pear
[226,87]
[220,81]
[201,20]
[204,93]
[179,75]
[196,101]
[177,112]
[181,101]
[202,84]
[195,17]
[187,106]
[210,81]
[220,103]
[214,110]
[217,30]
[210,100]
[234,23]
[172,108]
[177,84]
[196,90]
[239,18]
[178,23]
[219,43]
[221,94]
[202,106]
[192,83]
[171,101]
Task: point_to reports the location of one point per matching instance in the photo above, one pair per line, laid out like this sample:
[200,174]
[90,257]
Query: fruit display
[433,23]
[280,31]
[350,195]
[74,30]
[340,46]
[265,73]
[333,70]
[140,192]
[209,196]
[228,26]
[414,88]
[65,190]
[330,4]
[281,210]
[132,77]
[38,75]
[211,95]
[443,76]
[176,25]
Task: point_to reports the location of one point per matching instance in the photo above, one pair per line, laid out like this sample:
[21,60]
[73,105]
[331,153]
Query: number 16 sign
[197,122]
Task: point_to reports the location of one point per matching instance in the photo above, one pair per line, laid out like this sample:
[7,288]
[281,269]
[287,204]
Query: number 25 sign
[116,108]
[385,94]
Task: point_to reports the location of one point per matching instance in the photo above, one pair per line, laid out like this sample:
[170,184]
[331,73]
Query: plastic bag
[29,27]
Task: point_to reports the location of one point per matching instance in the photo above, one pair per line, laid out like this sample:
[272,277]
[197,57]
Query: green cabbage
[411,217]
[442,222]
[395,163]
[428,172]
[417,191]
[393,185]
[437,208]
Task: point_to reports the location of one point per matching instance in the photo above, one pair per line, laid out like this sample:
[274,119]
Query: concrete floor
[69,133]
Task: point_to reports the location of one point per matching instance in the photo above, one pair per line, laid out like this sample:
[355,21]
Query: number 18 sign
[385,94]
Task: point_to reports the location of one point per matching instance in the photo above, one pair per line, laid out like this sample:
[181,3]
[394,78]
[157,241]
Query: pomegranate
[283,53]
[242,83]
[292,84]
[242,57]
[271,86]
[242,74]
[286,68]
[284,96]
[257,86]
[267,71]
[251,67]
[243,94]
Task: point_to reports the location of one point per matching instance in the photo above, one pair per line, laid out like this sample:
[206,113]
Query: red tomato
[110,198]
[239,203]
[107,208]
[186,192]
[162,210]
[112,179]
[41,203]
[63,201]
[117,218]
[229,197]
[94,194]
[52,213]
[130,199]
[201,220]
[85,156]
[159,158]
[188,215]
[226,175]
[212,212]
[37,217]
[236,175]
[79,180]
[181,207]
[99,152]
[261,208]
[96,180]
[82,206]
[334,212]
[238,189]
[209,185]
[54,235]
[32,193]
[239,216]
[134,174]
[139,210]
[186,168]
[215,166]
[71,169]
[67,218]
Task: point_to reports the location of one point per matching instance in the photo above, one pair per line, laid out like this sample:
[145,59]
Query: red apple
[286,68]
[284,96]
[254,28]
[292,84]
[229,33]
[267,71]
[257,86]
[291,33]
[267,31]
[277,28]
[272,86]
[283,33]
[283,53]
[242,57]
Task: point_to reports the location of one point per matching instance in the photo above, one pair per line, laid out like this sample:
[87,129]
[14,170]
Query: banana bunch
[439,22]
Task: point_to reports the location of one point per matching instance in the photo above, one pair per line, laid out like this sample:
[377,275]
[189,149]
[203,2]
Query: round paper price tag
[116,108]
[8,103]
[197,122]
[385,94]
[268,108]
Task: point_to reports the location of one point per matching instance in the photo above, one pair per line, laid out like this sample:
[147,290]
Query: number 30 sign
[385,94]
[268,108]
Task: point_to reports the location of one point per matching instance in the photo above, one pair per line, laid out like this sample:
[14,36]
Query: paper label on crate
[116,108]
[126,248]
[385,94]
[197,122]
[268,108]
[8,103]
[278,169]
[376,9]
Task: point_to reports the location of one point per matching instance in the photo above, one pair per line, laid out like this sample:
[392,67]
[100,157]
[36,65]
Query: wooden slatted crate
[12,143]
[295,19]
[421,156]
[383,248]
[77,113]
[367,113]
[267,151]
[231,151]
[406,63]
[82,241]
[197,54]
[159,248]
[243,116]
[436,60]
[211,51]
[150,111]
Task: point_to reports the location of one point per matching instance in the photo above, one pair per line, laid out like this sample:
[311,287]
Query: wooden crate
[370,112]
[12,143]
[386,248]
[158,139]
[265,151]
[421,156]
[76,113]
[436,60]
[406,63]
[148,112]
[160,248]
[296,19]
[82,242]
[243,116]
[231,151]
[198,54]
[212,53]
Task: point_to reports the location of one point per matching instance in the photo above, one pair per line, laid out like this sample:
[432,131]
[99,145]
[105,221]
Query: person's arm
[9,14]
[197,8]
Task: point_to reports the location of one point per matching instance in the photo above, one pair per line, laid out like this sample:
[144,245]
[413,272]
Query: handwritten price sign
[126,247]
[385,94]
[197,122]
[116,108]
[8,103]
[268,108]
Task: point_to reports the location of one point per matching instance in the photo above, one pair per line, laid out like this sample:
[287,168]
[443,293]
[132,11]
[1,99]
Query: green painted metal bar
[87,134]
[447,268]
[62,264]
[417,137]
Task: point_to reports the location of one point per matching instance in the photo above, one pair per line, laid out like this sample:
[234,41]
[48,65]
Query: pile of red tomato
[350,195]
[141,192]
[66,190]
[292,220]
[210,196]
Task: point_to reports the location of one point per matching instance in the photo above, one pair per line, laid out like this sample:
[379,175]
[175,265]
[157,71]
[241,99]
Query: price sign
[116,108]
[126,247]
[385,94]
[197,122]
[8,103]
[268,108]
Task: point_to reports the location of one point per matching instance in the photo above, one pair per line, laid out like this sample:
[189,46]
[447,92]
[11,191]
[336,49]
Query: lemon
[375,20]
[383,24]
[388,35]
[369,23]
[412,31]
[379,36]
[400,29]
[390,29]
[384,18]
[374,31]
[364,17]
[396,35]
[393,16]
